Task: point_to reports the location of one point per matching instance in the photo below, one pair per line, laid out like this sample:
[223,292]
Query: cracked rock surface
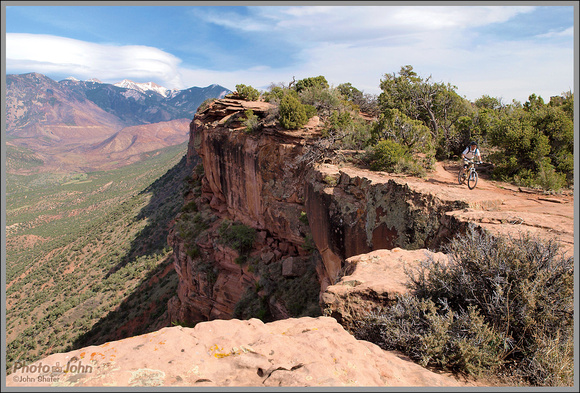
[291,352]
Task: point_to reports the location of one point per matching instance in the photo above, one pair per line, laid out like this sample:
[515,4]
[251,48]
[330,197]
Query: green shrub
[413,134]
[349,132]
[309,244]
[390,156]
[304,218]
[310,111]
[190,225]
[247,92]
[238,236]
[240,260]
[522,145]
[198,170]
[338,121]
[252,122]
[209,269]
[189,207]
[276,93]
[252,305]
[298,295]
[193,252]
[316,82]
[205,104]
[357,100]
[183,324]
[522,287]
[331,180]
[349,92]
[324,100]
[292,113]
[435,336]
[547,177]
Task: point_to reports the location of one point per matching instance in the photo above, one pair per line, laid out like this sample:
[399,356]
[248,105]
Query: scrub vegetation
[80,250]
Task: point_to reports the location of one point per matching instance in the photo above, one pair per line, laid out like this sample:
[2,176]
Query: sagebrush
[497,303]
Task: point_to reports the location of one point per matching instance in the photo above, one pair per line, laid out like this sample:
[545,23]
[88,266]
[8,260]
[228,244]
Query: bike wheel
[461,177]
[472,180]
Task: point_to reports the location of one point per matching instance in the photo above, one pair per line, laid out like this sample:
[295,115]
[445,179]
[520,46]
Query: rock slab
[292,352]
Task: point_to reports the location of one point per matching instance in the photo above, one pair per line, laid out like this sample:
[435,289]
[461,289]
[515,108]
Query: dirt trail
[505,208]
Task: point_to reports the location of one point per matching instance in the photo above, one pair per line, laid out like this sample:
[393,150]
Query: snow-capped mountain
[145,87]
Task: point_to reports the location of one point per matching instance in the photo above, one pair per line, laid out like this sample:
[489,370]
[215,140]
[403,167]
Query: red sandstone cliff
[234,353]
[260,179]
[255,179]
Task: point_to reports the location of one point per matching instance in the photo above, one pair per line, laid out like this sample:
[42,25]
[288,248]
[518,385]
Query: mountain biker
[470,153]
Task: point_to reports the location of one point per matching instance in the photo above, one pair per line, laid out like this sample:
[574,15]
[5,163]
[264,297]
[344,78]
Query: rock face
[292,352]
[254,179]
[354,211]
[257,179]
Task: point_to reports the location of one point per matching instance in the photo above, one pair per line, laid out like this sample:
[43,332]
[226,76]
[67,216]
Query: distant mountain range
[146,87]
[67,124]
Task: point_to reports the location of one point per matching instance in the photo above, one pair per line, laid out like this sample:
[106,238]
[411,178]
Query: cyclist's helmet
[473,143]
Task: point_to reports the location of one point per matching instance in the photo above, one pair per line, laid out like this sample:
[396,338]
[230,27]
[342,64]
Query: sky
[503,51]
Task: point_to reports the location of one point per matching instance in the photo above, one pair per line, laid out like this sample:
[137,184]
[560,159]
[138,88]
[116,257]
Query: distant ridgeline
[75,125]
[133,103]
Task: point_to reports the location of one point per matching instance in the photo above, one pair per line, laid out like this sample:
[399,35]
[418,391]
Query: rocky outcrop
[292,352]
[251,178]
[337,236]
[372,282]
[353,212]
[258,179]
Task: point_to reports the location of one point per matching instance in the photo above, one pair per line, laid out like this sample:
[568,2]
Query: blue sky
[505,51]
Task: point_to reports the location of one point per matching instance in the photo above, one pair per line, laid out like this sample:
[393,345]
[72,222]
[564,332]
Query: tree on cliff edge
[293,114]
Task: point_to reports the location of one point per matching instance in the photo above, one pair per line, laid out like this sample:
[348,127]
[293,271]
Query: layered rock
[292,352]
[258,179]
[372,280]
[353,212]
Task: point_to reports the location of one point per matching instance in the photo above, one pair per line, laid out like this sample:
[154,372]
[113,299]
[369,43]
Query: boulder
[373,281]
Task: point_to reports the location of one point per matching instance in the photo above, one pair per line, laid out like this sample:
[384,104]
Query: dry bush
[500,300]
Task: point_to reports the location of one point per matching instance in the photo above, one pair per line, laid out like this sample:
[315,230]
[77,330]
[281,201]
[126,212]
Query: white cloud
[345,44]
[85,60]
[354,23]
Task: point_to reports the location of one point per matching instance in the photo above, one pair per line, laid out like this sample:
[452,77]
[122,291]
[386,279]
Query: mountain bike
[470,173]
